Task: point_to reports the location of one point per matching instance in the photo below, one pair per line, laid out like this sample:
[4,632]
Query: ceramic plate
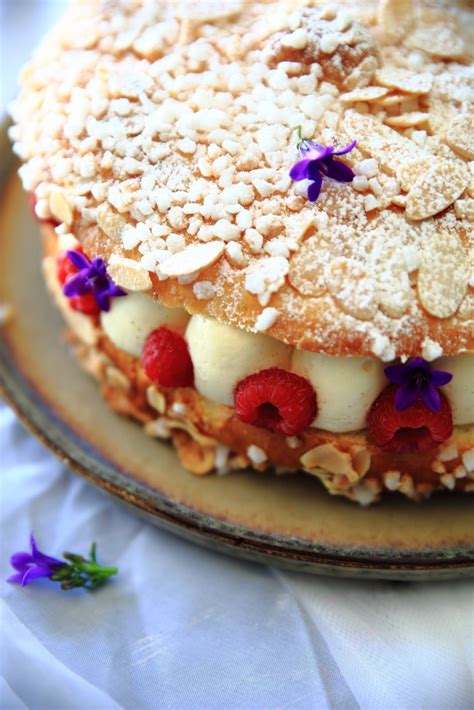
[290,521]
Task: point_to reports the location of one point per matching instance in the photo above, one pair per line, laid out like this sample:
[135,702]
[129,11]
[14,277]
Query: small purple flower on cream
[416,380]
[318,162]
[91,278]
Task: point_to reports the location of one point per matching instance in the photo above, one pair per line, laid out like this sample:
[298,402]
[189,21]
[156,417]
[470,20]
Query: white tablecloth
[181,627]
[184,628]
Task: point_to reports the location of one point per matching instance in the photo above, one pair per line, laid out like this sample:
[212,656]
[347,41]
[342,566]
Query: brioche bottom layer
[208,437]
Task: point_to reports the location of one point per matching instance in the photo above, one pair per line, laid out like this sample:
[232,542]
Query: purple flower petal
[430,397]
[41,558]
[79,260]
[405,396]
[77,285]
[439,377]
[35,573]
[318,152]
[102,300]
[299,171]
[314,189]
[418,363]
[15,578]
[19,560]
[338,171]
[396,374]
[347,149]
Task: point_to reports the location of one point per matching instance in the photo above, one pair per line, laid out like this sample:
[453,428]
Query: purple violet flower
[318,162]
[92,278]
[32,565]
[416,380]
[78,571]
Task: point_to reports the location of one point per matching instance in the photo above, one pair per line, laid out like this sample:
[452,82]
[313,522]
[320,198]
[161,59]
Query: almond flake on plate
[443,274]
[460,135]
[407,120]
[436,189]
[128,274]
[404,80]
[193,258]
[366,94]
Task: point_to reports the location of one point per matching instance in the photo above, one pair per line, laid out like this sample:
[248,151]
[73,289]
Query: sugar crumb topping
[172,128]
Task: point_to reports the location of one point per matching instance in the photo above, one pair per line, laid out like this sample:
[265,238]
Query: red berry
[85,304]
[276,400]
[32,200]
[65,268]
[166,359]
[416,428]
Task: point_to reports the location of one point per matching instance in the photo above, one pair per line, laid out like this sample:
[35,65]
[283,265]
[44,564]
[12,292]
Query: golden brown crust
[182,133]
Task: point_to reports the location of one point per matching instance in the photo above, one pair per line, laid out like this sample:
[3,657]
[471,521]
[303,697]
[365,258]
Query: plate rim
[203,528]
[182,519]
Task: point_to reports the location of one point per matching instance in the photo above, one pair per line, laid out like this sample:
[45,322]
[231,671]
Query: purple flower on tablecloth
[416,380]
[76,572]
[91,278]
[32,565]
[318,162]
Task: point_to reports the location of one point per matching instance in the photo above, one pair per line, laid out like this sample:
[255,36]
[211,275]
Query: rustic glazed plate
[290,521]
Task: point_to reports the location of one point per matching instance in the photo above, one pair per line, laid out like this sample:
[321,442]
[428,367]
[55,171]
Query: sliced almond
[460,135]
[443,275]
[466,308]
[390,100]
[361,460]
[376,140]
[307,266]
[438,40]
[366,94]
[394,17]
[436,190]
[156,399]
[464,209]
[351,288]
[116,378]
[410,172]
[330,459]
[207,10]
[193,258]
[128,274]
[110,222]
[60,207]
[407,120]
[404,80]
[439,115]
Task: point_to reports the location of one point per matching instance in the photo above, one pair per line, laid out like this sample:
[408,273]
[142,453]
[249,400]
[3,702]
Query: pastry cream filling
[131,320]
[223,355]
[460,391]
[345,387]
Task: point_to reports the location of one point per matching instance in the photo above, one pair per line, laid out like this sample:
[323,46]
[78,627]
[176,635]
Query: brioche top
[162,134]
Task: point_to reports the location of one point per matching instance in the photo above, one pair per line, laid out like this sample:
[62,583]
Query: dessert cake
[257,223]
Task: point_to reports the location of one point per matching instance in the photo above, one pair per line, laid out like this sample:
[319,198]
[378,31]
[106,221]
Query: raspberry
[65,268]
[166,359]
[85,304]
[276,400]
[32,200]
[416,428]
